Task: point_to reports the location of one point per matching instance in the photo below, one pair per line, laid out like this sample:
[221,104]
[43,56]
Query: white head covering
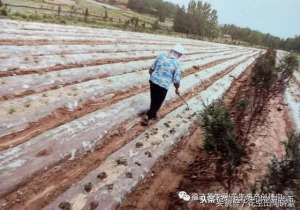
[179,49]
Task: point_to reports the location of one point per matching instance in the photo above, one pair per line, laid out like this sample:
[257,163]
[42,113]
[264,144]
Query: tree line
[200,19]
[254,37]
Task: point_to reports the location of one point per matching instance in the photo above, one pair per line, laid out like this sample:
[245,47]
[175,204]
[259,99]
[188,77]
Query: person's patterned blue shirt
[165,71]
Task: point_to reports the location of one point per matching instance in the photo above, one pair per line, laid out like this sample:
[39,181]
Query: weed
[155,25]
[3,11]
[264,72]
[242,104]
[288,65]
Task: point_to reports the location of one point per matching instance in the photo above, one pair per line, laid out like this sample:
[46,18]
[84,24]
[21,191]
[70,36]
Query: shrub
[155,25]
[21,15]
[264,72]
[284,175]
[242,104]
[288,65]
[3,11]
[219,133]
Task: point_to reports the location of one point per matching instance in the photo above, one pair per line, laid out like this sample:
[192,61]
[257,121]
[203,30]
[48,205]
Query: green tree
[199,19]
[180,21]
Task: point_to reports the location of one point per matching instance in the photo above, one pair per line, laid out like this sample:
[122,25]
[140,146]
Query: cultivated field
[71,100]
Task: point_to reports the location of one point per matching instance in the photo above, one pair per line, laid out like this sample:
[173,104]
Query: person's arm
[176,79]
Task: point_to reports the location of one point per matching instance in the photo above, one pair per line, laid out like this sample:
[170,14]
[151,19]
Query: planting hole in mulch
[139,145]
[148,154]
[88,187]
[129,175]
[122,161]
[102,176]
[65,205]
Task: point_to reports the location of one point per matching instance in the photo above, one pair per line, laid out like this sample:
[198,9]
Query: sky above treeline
[277,17]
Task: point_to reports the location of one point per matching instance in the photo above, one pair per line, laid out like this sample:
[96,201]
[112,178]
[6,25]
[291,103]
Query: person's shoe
[145,122]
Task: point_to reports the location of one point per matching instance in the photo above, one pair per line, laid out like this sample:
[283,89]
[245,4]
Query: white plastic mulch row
[101,35]
[10,50]
[279,56]
[292,96]
[37,62]
[297,76]
[31,108]
[82,134]
[8,25]
[137,161]
[38,82]
[292,93]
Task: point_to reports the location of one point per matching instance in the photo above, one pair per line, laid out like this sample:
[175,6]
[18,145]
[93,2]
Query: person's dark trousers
[158,95]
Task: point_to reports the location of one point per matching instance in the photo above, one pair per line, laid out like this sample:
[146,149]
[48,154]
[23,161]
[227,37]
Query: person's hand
[177,91]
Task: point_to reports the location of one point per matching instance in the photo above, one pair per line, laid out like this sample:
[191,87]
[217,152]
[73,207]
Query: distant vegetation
[199,18]
[158,8]
[258,38]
